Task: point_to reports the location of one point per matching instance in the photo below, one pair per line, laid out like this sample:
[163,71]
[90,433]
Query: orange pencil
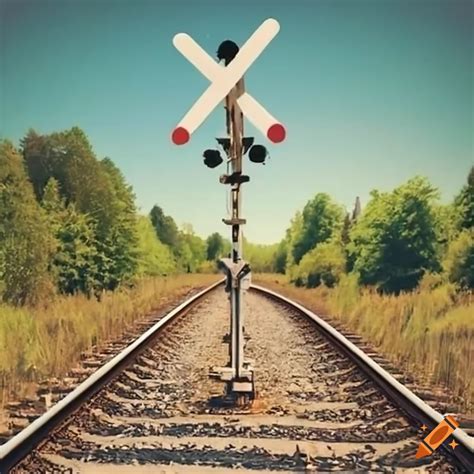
[437,436]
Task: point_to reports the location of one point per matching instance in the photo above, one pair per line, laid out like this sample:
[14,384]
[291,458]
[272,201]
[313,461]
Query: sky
[371,93]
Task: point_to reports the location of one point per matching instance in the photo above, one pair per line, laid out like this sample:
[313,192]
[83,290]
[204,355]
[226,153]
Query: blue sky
[371,93]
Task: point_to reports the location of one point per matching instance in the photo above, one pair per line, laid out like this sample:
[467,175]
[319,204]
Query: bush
[323,265]
[430,281]
[459,260]
[207,267]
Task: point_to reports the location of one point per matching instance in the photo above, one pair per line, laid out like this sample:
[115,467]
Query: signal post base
[237,388]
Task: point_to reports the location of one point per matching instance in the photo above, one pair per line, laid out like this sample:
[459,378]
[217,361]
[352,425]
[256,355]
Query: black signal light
[212,158]
[258,154]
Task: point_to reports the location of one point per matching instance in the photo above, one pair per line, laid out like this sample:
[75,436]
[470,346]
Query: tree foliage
[69,223]
[121,240]
[73,265]
[459,260]
[25,241]
[465,203]
[394,240]
[321,217]
[100,204]
[322,265]
[281,256]
[192,250]
[215,247]
[398,239]
[165,227]
[261,257]
[155,258]
[293,234]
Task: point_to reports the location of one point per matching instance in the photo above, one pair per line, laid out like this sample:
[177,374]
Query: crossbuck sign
[223,79]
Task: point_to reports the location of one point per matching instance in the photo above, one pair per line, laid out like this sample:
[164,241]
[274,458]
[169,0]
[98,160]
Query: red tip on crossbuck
[180,136]
[276,133]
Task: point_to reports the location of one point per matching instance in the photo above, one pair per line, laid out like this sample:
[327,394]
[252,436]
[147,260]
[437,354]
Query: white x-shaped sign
[223,79]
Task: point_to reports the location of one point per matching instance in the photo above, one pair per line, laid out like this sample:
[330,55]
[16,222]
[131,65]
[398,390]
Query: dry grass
[429,333]
[46,342]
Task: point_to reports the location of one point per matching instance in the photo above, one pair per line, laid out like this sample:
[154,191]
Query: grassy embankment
[37,343]
[428,333]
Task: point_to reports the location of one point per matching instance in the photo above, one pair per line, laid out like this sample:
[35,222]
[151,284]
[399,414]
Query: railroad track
[323,405]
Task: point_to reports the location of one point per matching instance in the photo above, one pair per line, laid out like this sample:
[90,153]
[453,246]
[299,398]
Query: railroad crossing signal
[223,79]
[228,82]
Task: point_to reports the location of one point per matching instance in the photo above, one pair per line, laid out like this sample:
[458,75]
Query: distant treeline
[69,224]
[397,239]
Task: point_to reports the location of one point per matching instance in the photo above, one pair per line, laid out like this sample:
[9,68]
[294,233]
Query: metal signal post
[239,374]
[228,83]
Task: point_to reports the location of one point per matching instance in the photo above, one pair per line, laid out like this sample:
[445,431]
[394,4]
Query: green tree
[155,258]
[447,221]
[26,244]
[260,256]
[42,160]
[394,240]
[215,246]
[356,211]
[292,234]
[165,227]
[345,229]
[281,256]
[122,236]
[321,218]
[459,260]
[192,249]
[464,202]
[325,264]
[97,189]
[74,263]
[68,157]
[349,221]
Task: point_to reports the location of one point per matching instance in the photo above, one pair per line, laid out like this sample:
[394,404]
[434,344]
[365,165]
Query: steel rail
[17,448]
[416,408]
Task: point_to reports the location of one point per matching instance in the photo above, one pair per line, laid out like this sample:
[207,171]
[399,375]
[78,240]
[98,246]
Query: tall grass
[47,341]
[428,332]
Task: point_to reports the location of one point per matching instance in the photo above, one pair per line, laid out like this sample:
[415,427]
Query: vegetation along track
[321,404]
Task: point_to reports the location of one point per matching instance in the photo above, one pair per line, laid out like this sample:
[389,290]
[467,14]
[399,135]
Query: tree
[260,256]
[155,258]
[321,217]
[447,221]
[345,229]
[74,263]
[122,235]
[192,249]
[215,246]
[292,234]
[357,210]
[281,256]
[42,160]
[68,157]
[26,244]
[394,241]
[459,261]
[349,221]
[465,203]
[323,265]
[165,227]
[97,190]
